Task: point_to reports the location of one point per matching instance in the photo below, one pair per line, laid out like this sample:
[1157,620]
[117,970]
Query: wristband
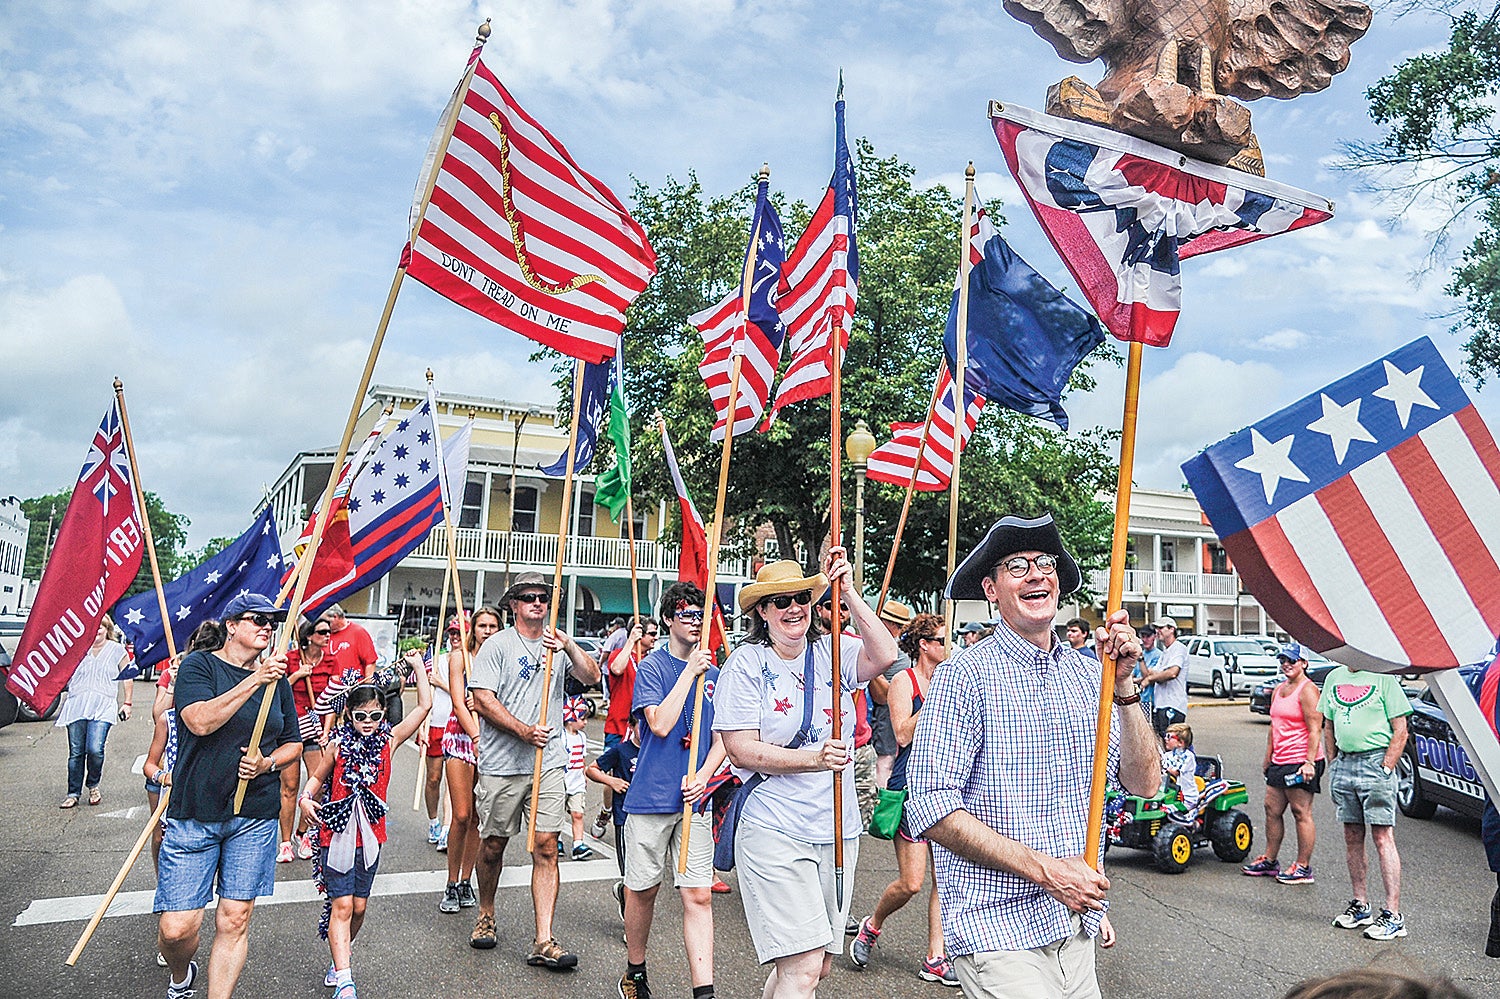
[1134,698]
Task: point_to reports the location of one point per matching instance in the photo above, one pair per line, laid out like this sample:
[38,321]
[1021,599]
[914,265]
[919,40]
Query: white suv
[1228,666]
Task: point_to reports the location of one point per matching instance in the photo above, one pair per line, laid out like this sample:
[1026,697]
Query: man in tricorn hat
[1001,766]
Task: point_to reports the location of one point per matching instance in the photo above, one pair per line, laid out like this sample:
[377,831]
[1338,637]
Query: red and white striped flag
[724,331]
[892,461]
[822,273]
[519,233]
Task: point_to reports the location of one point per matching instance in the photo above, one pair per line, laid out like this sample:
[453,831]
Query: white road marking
[78,908]
[134,811]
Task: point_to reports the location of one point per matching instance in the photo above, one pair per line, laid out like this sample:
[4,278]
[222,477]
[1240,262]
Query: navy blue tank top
[898,768]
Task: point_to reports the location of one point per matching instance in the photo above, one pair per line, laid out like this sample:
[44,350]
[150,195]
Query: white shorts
[652,845]
[576,803]
[787,887]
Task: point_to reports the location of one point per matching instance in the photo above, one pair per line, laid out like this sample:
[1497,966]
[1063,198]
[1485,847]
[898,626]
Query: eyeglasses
[1019,565]
[533,597]
[689,616]
[322,631]
[367,716]
[784,600]
[259,620]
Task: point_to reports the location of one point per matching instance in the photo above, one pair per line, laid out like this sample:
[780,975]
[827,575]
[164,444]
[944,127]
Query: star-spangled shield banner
[1365,518]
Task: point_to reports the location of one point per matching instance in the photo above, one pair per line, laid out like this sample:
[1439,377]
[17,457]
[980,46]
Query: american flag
[822,276]
[893,461]
[1366,517]
[517,232]
[1122,213]
[758,336]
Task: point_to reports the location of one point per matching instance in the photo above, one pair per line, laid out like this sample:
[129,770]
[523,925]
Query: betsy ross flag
[516,231]
[1123,213]
[1365,518]
[249,564]
[93,562]
[822,276]
[692,563]
[727,329]
[893,461]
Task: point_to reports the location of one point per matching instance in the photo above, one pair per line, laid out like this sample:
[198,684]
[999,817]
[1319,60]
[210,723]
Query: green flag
[612,488]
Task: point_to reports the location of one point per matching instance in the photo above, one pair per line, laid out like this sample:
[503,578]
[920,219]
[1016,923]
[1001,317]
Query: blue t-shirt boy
[657,790]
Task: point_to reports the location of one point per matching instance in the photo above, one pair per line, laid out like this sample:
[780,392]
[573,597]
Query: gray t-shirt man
[512,667]
[1173,693]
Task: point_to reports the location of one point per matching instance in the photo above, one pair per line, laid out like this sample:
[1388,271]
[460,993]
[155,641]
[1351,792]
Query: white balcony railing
[473,544]
[1217,587]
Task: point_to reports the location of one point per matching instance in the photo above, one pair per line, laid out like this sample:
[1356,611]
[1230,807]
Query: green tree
[1441,141]
[169,530]
[908,246]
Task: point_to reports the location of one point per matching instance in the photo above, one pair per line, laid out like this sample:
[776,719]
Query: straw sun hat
[784,576]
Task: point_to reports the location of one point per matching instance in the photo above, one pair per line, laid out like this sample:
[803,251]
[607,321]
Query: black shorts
[1277,774]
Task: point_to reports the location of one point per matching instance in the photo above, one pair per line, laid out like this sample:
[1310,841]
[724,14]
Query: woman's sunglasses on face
[259,620]
[784,600]
[367,716]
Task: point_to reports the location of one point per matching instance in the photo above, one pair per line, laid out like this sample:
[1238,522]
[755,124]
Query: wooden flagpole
[562,550]
[715,526]
[911,488]
[114,889]
[960,411]
[1114,600]
[304,568]
[635,594]
[140,504]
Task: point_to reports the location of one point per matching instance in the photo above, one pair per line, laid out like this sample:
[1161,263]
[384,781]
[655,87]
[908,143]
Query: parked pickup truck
[1228,666]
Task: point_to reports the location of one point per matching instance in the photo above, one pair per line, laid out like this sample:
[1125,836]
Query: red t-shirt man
[350,646]
[622,684]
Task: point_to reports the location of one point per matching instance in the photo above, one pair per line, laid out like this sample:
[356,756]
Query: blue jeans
[85,746]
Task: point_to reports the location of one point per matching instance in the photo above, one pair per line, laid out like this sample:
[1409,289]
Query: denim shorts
[355,881]
[240,854]
[1361,791]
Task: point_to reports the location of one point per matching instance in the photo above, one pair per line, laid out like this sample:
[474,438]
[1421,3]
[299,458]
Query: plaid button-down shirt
[1006,733]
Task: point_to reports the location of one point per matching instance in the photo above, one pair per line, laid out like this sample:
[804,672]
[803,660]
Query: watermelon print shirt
[1361,705]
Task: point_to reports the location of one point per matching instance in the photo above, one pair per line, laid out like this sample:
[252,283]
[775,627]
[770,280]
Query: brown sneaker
[549,954]
[483,937]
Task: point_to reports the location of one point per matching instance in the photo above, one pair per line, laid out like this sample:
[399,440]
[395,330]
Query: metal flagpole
[715,526]
[140,504]
[304,568]
[911,488]
[1114,600]
[562,549]
[437,647]
[960,411]
[836,625]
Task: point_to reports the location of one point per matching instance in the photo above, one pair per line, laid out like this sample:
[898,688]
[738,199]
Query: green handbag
[886,818]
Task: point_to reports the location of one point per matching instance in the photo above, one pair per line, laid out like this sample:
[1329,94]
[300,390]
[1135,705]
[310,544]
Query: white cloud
[1283,339]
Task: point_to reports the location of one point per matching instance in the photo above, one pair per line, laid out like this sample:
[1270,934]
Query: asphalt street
[1208,931]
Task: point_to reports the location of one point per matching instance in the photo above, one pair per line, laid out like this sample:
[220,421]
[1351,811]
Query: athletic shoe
[466,896]
[1262,867]
[284,852]
[434,830]
[581,851]
[600,823]
[331,977]
[185,990]
[442,842]
[161,961]
[851,927]
[1388,926]
[1297,874]
[450,902]
[619,893]
[938,969]
[634,986]
[1356,915]
[562,851]
[865,939]
[302,846]
[720,888]
[483,937]
[346,991]
[550,954]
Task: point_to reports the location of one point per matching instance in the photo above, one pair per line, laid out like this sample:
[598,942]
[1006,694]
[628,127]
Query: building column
[382,596]
[478,599]
[1262,612]
[1200,619]
[572,603]
[1198,557]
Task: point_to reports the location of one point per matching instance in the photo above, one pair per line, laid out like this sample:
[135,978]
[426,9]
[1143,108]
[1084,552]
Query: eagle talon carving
[1176,70]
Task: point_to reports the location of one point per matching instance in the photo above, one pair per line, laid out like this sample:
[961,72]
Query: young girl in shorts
[350,806]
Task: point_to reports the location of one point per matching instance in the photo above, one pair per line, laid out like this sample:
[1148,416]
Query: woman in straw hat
[784,842]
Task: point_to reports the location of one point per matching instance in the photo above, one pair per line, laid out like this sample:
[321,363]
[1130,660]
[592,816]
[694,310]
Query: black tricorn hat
[1008,536]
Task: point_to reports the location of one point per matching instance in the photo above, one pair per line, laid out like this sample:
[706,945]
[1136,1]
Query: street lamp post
[857,448]
[515,444]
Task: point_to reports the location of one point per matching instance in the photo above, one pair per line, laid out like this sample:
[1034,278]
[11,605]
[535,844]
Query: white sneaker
[302,846]
[434,830]
[600,824]
[284,853]
[442,841]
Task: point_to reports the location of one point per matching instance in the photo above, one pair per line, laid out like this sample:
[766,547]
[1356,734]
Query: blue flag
[1025,336]
[252,564]
[597,381]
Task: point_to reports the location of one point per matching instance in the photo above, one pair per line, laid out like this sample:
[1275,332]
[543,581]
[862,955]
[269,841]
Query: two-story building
[506,522]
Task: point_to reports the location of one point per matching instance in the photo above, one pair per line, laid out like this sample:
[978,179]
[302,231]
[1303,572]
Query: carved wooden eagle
[1170,65]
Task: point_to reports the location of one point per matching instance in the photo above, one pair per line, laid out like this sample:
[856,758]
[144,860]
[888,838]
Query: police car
[1435,768]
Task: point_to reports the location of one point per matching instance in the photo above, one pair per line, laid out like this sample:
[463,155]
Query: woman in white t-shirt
[784,846]
[90,709]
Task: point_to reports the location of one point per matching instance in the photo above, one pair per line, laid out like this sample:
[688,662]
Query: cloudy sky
[209,201]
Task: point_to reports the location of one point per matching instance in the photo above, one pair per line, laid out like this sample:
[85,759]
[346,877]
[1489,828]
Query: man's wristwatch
[274,765]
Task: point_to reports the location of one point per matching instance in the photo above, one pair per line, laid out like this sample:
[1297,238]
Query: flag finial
[483,34]
[119,385]
[969,171]
[840,95]
[429,376]
[390,406]
[765,172]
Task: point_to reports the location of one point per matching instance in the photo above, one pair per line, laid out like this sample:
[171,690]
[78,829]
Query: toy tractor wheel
[1172,848]
[1231,834]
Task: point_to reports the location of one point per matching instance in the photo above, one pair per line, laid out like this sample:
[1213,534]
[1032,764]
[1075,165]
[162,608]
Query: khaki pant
[1063,970]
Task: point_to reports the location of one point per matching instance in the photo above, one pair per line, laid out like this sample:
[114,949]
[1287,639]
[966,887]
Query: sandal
[71,801]
[483,937]
[549,954]
[94,796]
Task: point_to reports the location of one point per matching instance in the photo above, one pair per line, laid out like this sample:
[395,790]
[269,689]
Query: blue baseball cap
[252,603]
[1291,652]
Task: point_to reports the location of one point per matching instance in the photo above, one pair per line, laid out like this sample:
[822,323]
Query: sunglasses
[259,620]
[367,716]
[533,598]
[689,616]
[784,600]
[650,634]
[322,631]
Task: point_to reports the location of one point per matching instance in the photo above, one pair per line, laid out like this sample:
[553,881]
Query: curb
[1233,702]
